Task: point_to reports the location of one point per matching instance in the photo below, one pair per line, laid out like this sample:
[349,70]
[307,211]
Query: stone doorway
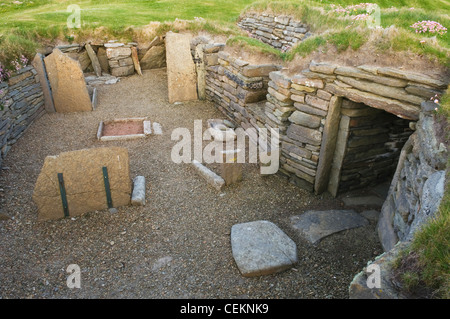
[368,146]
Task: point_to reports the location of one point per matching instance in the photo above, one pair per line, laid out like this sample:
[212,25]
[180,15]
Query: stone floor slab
[315,225]
[261,248]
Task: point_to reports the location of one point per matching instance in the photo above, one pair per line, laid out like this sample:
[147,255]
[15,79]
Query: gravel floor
[178,245]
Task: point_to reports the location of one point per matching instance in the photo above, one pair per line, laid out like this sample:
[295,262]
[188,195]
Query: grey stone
[123,70]
[261,248]
[371,215]
[432,193]
[138,195]
[359,288]
[210,177]
[315,225]
[154,58]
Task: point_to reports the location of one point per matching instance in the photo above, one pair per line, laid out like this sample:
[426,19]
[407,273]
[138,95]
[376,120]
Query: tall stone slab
[182,79]
[39,66]
[67,83]
[84,182]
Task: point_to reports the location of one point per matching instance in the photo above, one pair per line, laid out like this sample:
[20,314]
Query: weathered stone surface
[134,57]
[209,176]
[432,194]
[69,90]
[304,134]
[118,53]
[39,66]
[182,79]
[403,110]
[329,139]
[138,195]
[361,285]
[94,60]
[381,89]
[305,119]
[123,70]
[358,73]
[261,248]
[103,59]
[259,70]
[315,225]
[413,77]
[83,180]
[154,58]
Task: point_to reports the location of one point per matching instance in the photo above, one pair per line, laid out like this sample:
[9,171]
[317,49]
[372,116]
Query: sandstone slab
[315,225]
[261,248]
[67,82]
[182,79]
[39,66]
[83,181]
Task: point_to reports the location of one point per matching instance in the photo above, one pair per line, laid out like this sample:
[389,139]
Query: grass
[347,33]
[24,26]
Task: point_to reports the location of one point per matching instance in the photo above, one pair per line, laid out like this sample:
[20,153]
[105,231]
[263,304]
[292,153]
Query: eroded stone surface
[181,75]
[261,248]
[83,180]
[314,225]
[67,82]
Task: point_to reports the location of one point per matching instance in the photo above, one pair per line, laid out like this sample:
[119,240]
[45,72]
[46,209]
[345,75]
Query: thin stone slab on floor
[314,225]
[261,248]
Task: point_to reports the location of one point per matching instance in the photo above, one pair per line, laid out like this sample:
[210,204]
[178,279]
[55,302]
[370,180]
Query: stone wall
[237,88]
[279,31]
[116,58]
[374,141]
[418,184]
[340,127]
[22,102]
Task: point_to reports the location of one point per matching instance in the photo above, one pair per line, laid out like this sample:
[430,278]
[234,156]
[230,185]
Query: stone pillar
[231,170]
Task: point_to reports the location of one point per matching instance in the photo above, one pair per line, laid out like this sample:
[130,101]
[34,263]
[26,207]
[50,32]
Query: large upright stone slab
[261,248]
[39,66]
[83,180]
[182,79]
[67,83]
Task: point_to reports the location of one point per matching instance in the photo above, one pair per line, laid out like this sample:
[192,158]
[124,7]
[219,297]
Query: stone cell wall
[375,139]
[237,88]
[22,102]
[279,31]
[313,111]
[418,184]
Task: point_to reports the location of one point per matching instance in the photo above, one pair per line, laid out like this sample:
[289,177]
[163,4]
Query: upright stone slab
[39,66]
[84,183]
[70,93]
[94,60]
[261,248]
[182,79]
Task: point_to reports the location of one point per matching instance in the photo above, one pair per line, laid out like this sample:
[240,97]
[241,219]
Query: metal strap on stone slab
[107,188]
[62,190]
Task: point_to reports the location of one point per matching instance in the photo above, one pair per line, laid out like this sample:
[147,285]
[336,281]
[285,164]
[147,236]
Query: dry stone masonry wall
[279,31]
[22,102]
[340,127]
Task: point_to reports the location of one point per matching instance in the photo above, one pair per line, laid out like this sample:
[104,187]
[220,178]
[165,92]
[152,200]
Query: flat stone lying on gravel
[210,177]
[138,195]
[261,248]
[314,225]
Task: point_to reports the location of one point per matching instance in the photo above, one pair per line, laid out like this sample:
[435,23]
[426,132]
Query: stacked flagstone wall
[279,31]
[22,102]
